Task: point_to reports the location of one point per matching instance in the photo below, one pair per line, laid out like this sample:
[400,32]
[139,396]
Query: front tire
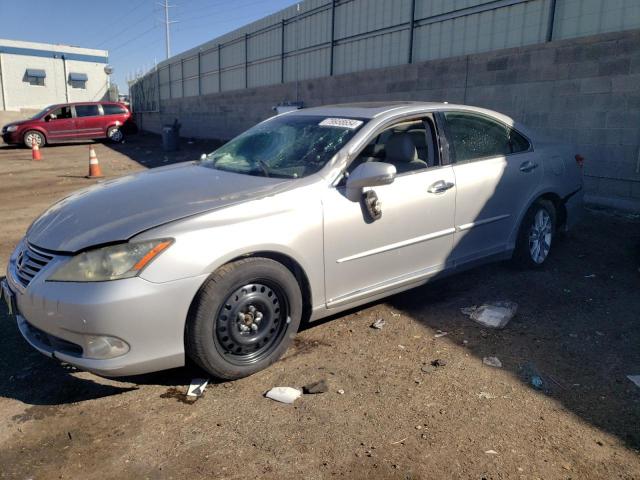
[32,136]
[536,235]
[244,318]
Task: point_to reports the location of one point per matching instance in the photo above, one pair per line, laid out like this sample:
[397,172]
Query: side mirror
[370,174]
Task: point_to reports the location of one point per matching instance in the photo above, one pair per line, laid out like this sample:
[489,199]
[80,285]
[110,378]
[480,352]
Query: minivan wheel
[536,235]
[115,134]
[244,318]
[33,136]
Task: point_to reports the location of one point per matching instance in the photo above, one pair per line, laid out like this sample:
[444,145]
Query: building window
[34,76]
[78,80]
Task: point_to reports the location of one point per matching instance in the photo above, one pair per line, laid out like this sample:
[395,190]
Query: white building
[34,75]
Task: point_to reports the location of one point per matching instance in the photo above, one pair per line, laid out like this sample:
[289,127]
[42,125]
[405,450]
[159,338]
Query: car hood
[118,209]
[17,123]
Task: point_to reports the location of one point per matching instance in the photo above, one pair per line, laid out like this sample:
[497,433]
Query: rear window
[87,110]
[110,109]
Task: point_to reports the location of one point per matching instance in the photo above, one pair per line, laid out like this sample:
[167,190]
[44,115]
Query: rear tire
[244,318]
[33,135]
[115,134]
[536,235]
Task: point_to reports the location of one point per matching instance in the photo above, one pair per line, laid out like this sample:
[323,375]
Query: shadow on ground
[577,326]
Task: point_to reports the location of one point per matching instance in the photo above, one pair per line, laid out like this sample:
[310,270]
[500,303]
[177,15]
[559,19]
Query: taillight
[580,160]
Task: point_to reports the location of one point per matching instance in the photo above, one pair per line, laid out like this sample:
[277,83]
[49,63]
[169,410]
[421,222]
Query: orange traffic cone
[94,166]
[35,151]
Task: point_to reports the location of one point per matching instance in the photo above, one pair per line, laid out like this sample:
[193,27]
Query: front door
[60,124]
[414,236]
[496,173]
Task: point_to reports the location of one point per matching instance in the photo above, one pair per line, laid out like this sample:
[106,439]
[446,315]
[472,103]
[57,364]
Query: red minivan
[71,121]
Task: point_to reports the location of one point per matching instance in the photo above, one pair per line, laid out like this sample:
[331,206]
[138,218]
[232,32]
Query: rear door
[89,121]
[496,173]
[114,114]
[60,124]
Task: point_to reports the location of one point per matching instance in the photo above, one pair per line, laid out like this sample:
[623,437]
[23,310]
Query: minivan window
[87,110]
[476,136]
[110,109]
[60,113]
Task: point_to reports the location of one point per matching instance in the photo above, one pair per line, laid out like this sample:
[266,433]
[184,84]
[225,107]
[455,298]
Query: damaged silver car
[306,214]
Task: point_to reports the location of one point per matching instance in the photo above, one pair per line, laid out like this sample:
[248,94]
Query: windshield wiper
[264,167]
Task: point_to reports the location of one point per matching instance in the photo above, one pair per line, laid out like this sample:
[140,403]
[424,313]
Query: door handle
[528,166]
[440,186]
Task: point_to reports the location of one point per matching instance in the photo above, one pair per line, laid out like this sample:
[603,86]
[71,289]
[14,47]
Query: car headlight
[12,128]
[114,262]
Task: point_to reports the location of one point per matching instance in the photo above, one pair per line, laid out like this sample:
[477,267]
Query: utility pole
[167,23]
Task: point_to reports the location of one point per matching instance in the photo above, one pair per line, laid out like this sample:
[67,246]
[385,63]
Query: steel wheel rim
[540,236]
[251,322]
[34,136]
[116,135]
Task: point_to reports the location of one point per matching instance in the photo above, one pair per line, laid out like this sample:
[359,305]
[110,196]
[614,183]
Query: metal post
[158,80]
[4,90]
[282,53]
[219,69]
[246,60]
[66,80]
[170,82]
[333,31]
[166,28]
[552,17]
[412,26]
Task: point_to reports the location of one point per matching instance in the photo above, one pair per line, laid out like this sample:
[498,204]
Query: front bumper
[10,138]
[59,318]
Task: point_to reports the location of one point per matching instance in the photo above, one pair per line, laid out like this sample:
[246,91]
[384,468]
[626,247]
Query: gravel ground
[577,328]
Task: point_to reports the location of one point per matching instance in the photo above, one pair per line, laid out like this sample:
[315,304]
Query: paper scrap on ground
[284,394]
[196,389]
[493,315]
[492,362]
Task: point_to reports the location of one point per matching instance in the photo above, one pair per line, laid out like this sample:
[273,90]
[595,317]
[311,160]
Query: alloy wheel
[540,236]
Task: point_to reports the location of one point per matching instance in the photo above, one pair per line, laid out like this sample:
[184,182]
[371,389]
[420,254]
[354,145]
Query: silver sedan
[304,215]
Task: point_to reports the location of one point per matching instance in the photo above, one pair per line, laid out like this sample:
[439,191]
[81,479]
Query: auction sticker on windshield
[349,123]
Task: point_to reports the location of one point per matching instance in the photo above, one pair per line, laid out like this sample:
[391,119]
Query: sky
[131,30]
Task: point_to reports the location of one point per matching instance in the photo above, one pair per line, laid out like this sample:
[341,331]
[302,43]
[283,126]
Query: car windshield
[287,146]
[42,112]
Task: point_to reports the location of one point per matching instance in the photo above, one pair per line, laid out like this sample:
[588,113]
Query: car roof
[370,110]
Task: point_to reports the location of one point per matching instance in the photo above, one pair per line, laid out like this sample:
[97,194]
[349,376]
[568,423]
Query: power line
[128,27]
[124,44]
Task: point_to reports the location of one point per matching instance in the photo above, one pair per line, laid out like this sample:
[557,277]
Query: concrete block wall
[584,91]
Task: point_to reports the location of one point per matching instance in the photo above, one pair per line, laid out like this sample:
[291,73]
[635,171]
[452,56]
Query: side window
[35,77]
[475,136]
[408,145]
[59,114]
[110,109]
[87,111]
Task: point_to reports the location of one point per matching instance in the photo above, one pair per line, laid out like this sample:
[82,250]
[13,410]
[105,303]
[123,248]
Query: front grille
[29,263]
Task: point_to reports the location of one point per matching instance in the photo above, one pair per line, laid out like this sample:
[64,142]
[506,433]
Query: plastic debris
[283,394]
[378,324]
[196,389]
[536,382]
[493,315]
[635,379]
[341,392]
[440,333]
[592,275]
[491,452]
[316,387]
[492,362]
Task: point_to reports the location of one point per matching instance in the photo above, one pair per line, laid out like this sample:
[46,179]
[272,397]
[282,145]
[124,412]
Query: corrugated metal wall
[319,38]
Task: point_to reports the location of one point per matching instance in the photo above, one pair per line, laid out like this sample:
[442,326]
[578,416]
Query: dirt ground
[577,328]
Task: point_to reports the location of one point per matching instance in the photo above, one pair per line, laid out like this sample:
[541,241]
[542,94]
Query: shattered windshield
[288,146]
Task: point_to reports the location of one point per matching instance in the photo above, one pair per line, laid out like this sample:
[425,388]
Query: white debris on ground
[635,379]
[492,315]
[492,362]
[284,394]
[196,389]
[378,324]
